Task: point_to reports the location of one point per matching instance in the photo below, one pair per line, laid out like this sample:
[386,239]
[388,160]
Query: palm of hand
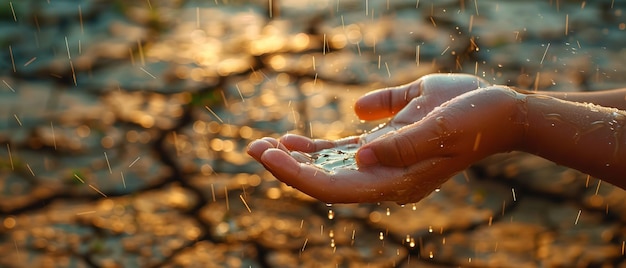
[407,104]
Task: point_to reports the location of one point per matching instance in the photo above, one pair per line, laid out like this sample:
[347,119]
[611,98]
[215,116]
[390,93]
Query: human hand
[402,181]
[405,105]
[409,103]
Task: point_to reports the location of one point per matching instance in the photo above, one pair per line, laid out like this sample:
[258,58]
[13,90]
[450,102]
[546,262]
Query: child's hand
[411,102]
[410,162]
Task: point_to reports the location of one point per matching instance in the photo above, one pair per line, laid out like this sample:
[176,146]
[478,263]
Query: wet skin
[440,125]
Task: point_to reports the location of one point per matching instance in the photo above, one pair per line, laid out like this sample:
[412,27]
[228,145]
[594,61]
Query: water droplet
[388,212]
[430,229]
[412,243]
[473,105]
[381,236]
[438,190]
[331,233]
[332,243]
[331,214]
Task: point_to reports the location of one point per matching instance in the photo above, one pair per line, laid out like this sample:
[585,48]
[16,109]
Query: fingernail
[366,157]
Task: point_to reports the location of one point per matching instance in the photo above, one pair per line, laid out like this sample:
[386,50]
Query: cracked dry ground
[124,126]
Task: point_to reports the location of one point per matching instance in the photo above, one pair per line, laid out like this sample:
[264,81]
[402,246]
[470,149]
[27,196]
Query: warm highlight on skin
[587,137]
[443,123]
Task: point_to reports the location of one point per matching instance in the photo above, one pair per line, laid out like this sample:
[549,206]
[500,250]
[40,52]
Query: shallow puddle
[331,159]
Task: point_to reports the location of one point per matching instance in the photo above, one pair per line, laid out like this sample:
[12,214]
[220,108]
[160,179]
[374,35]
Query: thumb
[402,148]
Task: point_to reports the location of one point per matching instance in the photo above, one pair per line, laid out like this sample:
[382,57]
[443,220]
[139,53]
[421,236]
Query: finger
[414,111]
[443,87]
[257,147]
[304,144]
[386,102]
[306,178]
[435,90]
[344,186]
[276,143]
[401,148]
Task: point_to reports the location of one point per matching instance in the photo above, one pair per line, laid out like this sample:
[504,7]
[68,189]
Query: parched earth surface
[124,125]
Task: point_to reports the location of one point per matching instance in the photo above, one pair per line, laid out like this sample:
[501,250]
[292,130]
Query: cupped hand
[340,186]
[424,127]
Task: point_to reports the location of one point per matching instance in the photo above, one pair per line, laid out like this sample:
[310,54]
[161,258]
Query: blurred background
[123,128]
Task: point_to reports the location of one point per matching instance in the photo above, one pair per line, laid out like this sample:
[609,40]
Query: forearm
[586,137]
[609,98]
